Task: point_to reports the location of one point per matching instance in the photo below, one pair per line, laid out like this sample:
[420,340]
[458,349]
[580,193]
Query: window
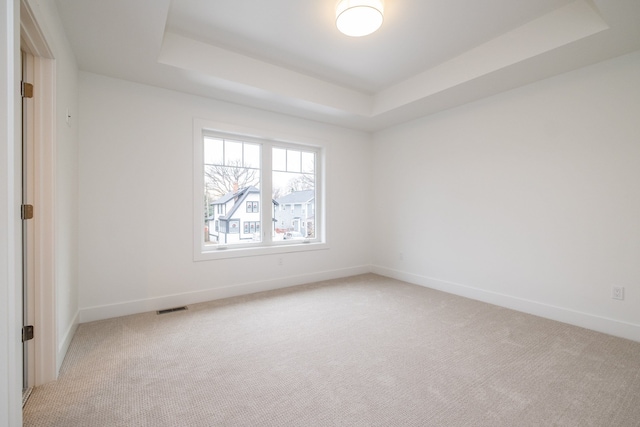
[238,173]
[252,207]
[251,227]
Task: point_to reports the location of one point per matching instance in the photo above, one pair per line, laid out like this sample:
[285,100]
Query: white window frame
[268,140]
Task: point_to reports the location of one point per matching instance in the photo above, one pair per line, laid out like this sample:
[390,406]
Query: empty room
[320,213]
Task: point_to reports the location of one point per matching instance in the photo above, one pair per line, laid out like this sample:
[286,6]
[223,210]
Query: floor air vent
[171,310]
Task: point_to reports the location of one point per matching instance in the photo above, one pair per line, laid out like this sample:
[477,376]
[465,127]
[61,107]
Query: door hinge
[26,212]
[27,333]
[26,90]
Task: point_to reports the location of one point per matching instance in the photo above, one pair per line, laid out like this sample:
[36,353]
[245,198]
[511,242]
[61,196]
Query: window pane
[233,153]
[308,162]
[293,161]
[280,180]
[232,191]
[279,159]
[212,150]
[252,155]
[294,192]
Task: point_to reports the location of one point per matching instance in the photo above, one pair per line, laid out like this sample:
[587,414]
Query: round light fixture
[358,18]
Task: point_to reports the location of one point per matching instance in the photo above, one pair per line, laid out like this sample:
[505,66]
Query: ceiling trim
[551,31]
[229,70]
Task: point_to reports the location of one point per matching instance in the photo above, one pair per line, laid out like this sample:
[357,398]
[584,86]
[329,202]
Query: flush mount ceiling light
[358,18]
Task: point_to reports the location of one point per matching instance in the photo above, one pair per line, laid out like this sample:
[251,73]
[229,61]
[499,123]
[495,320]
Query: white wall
[528,199]
[10,311]
[136,183]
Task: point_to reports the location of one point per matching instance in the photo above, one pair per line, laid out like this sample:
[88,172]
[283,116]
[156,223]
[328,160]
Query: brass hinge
[26,211]
[26,90]
[27,333]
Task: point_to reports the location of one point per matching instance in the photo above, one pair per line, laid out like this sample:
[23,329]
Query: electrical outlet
[280,261]
[618,293]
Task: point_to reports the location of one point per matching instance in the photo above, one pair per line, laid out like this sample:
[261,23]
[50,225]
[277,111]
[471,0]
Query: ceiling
[287,55]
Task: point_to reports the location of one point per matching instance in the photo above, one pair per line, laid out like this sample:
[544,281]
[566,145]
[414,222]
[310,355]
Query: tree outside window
[232,180]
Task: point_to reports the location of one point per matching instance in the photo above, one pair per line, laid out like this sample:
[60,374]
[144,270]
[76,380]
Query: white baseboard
[63,347]
[90,314]
[585,320]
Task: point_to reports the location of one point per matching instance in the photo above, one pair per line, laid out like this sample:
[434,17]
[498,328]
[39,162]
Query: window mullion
[266,194]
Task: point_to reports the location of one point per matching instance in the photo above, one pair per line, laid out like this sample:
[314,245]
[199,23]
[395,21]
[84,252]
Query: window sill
[230,252]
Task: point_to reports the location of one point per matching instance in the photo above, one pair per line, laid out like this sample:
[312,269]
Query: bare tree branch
[302,182]
[220,180]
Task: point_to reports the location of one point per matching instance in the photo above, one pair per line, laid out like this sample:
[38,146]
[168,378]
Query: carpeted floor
[362,351]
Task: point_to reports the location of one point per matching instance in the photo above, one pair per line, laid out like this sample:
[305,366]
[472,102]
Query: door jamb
[46,353]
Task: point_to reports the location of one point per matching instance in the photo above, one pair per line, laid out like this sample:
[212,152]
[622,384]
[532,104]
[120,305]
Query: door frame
[10,285]
[44,225]
[28,290]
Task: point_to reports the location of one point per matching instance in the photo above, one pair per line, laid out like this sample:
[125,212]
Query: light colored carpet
[362,351]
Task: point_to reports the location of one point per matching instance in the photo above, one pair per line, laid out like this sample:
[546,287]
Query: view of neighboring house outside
[235,217]
[235,197]
[295,214]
